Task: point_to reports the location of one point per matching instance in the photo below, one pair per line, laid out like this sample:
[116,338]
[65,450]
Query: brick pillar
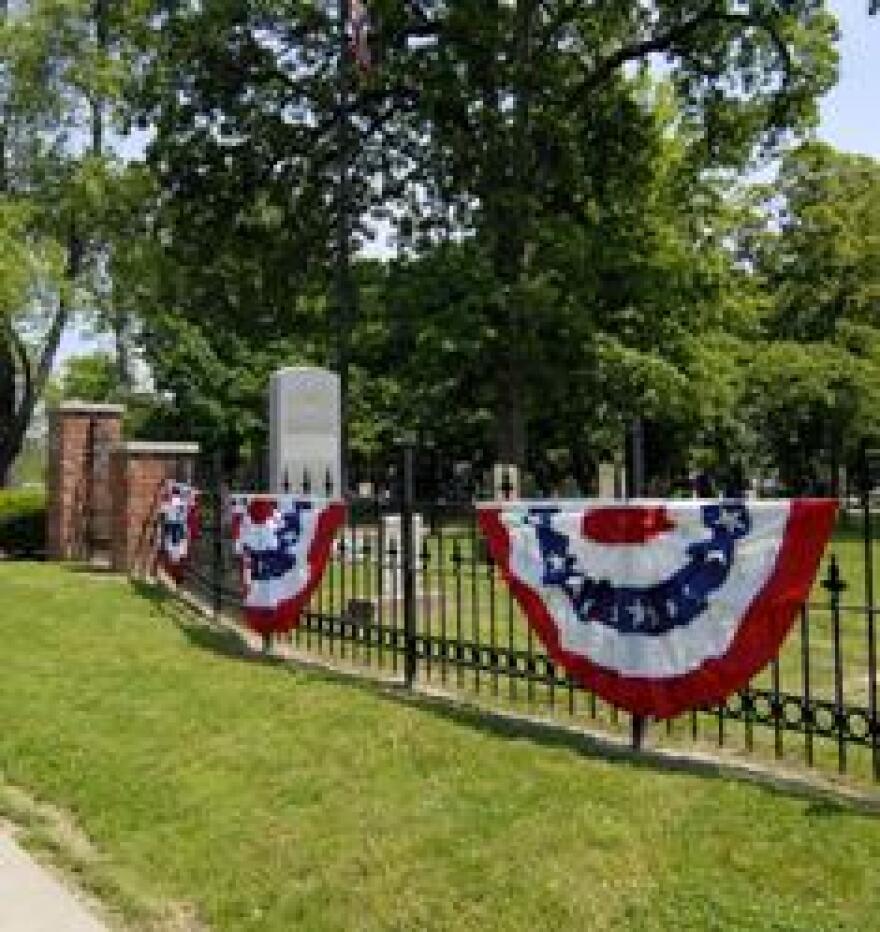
[81,435]
[137,471]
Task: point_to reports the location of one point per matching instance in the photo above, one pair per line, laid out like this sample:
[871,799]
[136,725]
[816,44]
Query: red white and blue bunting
[666,606]
[283,542]
[178,526]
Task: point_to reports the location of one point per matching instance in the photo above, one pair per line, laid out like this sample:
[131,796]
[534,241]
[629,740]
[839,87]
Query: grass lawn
[265,797]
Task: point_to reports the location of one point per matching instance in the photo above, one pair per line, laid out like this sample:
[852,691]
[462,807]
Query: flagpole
[343,240]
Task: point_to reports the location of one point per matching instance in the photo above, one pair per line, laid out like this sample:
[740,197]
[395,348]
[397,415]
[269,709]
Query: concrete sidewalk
[32,900]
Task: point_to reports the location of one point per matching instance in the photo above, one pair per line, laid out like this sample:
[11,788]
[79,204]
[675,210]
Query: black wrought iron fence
[412,592]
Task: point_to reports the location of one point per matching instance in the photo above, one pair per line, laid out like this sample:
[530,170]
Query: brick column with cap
[138,470]
[81,436]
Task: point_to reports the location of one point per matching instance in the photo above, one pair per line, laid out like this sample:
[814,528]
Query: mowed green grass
[273,798]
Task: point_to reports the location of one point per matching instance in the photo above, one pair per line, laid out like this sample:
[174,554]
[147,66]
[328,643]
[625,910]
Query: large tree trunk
[14,424]
[17,415]
[121,336]
[512,233]
[23,380]
[8,370]
[118,316]
[16,399]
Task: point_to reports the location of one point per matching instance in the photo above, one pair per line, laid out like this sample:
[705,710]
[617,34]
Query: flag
[358,33]
[283,543]
[663,607]
[178,526]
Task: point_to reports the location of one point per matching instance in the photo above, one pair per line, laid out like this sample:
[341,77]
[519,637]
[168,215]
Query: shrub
[22,522]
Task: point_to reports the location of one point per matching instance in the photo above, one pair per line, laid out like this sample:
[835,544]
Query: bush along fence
[410,585]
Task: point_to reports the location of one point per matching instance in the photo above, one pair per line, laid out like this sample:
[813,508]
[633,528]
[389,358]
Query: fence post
[407,501]
[637,490]
[835,586]
[865,455]
[217,535]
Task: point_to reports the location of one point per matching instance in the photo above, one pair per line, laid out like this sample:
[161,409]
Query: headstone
[362,544]
[607,480]
[392,556]
[305,438]
[612,481]
[505,482]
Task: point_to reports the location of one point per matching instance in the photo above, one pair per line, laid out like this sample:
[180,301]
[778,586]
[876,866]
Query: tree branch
[649,46]
[672,39]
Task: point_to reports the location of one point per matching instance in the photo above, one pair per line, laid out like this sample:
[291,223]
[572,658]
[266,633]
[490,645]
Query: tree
[821,256]
[512,101]
[56,59]
[496,123]
[815,248]
[91,377]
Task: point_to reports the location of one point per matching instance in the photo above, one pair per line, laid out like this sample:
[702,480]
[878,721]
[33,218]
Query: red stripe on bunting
[765,625]
[194,517]
[173,570]
[285,617]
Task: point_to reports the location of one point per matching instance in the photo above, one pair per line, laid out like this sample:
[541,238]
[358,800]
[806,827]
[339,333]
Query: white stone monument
[612,481]
[305,430]
[607,480]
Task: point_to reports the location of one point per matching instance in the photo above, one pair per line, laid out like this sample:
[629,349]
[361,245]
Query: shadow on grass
[155,594]
[825,800]
[90,569]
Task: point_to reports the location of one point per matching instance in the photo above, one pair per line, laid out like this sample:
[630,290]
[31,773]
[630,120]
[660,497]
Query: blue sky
[850,113]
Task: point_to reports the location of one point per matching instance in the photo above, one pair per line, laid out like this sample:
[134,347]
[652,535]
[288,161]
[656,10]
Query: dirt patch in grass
[57,842]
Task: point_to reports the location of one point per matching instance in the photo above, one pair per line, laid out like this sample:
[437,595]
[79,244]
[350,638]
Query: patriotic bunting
[662,607]
[283,542]
[178,526]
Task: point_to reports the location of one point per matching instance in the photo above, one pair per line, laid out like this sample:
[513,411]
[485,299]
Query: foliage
[574,246]
[814,245]
[822,264]
[30,467]
[22,522]
[65,65]
[508,145]
[814,402]
[90,377]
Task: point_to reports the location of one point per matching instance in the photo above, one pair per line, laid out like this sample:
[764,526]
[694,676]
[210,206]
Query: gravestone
[305,434]
[363,543]
[612,481]
[367,542]
[505,482]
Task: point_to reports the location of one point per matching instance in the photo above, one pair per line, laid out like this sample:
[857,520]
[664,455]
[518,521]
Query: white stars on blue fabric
[274,552]
[655,610]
